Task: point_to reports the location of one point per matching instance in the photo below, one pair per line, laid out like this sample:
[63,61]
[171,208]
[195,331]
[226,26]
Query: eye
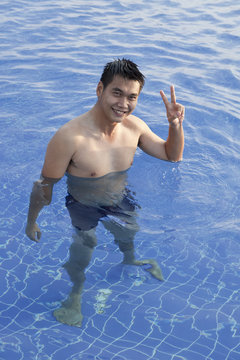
[116,93]
[132,97]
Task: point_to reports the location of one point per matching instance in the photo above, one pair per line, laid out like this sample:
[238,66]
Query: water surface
[52,55]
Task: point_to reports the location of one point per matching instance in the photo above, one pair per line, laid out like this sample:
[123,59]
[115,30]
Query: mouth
[119,112]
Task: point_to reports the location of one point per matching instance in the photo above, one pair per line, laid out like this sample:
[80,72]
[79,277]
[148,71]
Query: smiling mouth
[119,112]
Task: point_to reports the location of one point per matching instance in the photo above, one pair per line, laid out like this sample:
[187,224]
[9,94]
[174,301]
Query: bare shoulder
[71,130]
[66,138]
[137,124]
[62,148]
[72,127]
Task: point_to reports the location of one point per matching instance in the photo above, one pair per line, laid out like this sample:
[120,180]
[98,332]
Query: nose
[123,102]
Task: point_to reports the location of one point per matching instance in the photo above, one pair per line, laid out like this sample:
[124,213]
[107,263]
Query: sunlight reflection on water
[52,54]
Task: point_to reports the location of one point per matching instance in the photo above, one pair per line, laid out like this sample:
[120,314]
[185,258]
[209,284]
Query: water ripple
[52,54]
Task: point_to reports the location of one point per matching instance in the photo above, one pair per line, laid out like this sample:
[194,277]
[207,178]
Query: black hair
[124,68]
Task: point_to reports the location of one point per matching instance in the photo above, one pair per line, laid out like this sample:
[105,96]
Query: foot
[154,270]
[70,312]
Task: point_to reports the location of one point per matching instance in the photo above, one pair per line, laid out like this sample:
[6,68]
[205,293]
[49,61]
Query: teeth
[118,111]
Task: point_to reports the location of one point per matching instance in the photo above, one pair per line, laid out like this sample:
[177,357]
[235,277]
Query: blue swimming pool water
[52,54]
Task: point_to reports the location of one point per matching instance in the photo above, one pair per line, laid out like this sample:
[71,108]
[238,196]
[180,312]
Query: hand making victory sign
[175,111]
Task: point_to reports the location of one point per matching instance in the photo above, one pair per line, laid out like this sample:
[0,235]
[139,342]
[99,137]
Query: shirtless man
[95,150]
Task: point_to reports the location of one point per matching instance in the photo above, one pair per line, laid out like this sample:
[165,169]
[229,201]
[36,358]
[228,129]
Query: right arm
[41,195]
[59,153]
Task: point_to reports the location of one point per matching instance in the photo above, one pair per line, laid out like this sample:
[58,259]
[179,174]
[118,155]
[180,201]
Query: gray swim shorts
[86,217]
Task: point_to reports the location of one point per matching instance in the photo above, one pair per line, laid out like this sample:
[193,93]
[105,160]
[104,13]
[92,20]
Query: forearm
[175,142]
[40,197]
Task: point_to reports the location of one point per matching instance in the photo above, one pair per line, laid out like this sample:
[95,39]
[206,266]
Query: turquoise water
[52,54]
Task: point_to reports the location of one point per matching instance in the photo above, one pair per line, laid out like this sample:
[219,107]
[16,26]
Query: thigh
[83,217]
[121,220]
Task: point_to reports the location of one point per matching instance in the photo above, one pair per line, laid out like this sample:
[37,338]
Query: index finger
[173,96]
[165,100]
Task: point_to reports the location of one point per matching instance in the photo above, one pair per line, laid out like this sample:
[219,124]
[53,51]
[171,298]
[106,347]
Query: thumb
[39,234]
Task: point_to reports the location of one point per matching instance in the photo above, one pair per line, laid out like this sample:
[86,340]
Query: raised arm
[59,153]
[175,114]
[172,148]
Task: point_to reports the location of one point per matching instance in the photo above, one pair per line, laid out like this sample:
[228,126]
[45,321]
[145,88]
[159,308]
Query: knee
[87,238]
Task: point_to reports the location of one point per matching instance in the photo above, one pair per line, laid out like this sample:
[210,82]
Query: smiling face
[118,99]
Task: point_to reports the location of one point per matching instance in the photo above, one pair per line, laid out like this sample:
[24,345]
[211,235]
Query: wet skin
[101,142]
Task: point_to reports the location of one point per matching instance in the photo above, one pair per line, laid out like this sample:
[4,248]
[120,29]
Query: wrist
[30,221]
[174,123]
[29,224]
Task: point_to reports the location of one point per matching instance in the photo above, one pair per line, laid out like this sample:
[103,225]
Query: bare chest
[96,157]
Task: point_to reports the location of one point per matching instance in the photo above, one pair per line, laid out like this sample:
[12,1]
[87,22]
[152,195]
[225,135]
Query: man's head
[123,68]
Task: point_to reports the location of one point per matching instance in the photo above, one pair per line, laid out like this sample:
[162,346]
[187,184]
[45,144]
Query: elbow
[175,160]
[174,157]
[173,154]
[41,193]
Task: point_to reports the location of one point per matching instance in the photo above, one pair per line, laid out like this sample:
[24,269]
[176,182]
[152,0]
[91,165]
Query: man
[95,150]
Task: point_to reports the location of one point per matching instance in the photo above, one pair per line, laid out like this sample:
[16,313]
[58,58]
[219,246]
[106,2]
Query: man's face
[119,98]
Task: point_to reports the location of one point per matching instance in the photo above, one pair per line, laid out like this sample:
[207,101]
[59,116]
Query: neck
[101,122]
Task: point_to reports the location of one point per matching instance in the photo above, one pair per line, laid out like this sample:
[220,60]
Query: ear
[99,89]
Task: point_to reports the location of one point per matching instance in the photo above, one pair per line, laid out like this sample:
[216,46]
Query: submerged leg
[124,232]
[154,270]
[80,255]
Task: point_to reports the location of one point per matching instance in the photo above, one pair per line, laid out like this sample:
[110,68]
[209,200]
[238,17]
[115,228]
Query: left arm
[175,114]
[172,148]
